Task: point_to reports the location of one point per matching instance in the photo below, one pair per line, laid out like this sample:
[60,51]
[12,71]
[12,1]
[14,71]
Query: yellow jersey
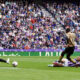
[70,39]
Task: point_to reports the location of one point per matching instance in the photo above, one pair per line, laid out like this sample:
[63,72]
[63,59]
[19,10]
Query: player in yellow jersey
[70,45]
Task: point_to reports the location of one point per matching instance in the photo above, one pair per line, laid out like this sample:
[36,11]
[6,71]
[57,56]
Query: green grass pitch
[36,68]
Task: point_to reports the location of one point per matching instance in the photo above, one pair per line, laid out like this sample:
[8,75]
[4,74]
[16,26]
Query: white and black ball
[14,63]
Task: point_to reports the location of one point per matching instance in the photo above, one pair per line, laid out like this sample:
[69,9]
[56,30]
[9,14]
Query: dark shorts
[68,50]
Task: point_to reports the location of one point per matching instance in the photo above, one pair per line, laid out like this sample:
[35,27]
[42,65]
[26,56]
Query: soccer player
[5,61]
[70,46]
[66,63]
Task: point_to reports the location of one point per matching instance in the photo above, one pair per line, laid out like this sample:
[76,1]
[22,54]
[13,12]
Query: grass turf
[36,68]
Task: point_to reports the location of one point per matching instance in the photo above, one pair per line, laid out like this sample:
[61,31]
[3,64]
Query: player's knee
[68,57]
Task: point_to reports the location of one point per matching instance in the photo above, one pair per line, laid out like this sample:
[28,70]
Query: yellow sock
[73,61]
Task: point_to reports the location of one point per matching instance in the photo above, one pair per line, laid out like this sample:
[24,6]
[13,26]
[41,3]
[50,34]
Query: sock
[60,58]
[73,61]
[2,60]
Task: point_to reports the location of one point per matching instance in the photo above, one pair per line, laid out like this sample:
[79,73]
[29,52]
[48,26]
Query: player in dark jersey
[5,61]
[70,46]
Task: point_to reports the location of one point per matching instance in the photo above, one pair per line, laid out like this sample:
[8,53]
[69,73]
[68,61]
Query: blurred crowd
[23,27]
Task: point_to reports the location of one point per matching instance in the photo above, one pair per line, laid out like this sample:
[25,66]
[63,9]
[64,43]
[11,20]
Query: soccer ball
[15,63]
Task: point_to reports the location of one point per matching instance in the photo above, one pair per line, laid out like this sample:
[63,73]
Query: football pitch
[36,68]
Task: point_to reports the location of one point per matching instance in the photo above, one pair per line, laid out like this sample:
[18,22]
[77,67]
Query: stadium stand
[34,26]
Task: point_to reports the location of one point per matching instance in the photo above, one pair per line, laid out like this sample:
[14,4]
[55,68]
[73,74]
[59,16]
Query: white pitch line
[9,68]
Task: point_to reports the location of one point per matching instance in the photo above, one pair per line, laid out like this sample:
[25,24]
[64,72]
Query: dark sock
[2,60]
[60,58]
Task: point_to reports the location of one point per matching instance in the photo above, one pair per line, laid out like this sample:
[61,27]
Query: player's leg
[68,57]
[5,61]
[2,60]
[71,51]
[62,55]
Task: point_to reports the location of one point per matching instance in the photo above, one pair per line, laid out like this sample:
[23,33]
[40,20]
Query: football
[15,63]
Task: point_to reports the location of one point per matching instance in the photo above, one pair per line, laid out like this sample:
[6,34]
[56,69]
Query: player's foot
[50,65]
[8,61]
[59,62]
